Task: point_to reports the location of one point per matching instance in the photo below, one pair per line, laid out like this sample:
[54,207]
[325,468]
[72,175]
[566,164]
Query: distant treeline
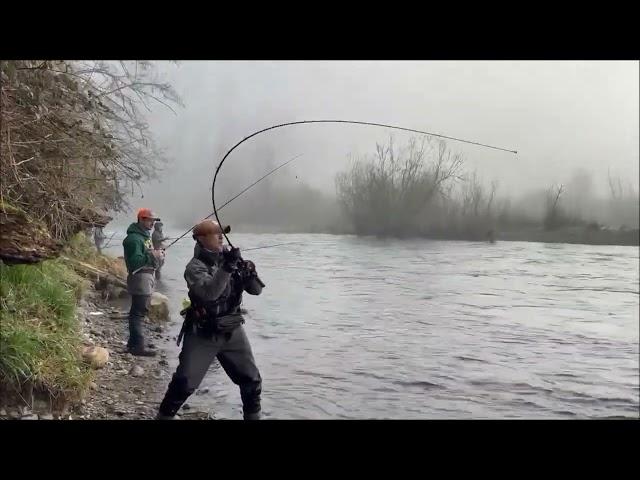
[422,189]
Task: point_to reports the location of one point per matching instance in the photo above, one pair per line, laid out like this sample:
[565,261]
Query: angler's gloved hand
[231,259]
[247,268]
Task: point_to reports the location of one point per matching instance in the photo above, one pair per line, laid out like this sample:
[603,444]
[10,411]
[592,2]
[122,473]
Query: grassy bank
[40,334]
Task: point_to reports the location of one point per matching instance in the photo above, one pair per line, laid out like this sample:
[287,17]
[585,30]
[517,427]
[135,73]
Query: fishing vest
[227,304]
[218,316]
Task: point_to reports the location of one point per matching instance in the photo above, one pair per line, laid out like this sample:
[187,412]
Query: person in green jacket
[142,260]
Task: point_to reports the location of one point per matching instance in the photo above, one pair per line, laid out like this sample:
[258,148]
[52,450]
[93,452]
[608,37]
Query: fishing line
[353,122]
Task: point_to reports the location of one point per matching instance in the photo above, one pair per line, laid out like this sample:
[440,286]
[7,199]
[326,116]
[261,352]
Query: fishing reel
[244,268]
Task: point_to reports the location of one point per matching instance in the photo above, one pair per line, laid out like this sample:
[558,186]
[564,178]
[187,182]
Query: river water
[353,328]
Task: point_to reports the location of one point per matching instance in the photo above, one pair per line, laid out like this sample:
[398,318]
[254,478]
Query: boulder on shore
[96,356]
[158,308]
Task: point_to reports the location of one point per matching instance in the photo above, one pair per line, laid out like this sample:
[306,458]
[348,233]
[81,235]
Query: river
[354,328]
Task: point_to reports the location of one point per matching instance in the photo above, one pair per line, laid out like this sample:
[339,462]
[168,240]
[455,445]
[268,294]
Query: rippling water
[353,327]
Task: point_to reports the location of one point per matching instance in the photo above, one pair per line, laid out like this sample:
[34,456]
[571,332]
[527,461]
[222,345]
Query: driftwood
[86,269]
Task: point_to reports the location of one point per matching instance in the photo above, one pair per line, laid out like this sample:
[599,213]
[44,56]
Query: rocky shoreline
[126,387]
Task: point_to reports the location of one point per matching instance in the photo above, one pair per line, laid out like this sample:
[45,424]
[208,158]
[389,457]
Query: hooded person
[157,239]
[216,278]
[99,238]
[141,260]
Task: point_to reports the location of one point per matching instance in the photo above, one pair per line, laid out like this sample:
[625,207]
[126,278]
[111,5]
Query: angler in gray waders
[216,278]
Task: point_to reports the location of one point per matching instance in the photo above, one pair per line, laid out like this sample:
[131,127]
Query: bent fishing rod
[239,194]
[351,122]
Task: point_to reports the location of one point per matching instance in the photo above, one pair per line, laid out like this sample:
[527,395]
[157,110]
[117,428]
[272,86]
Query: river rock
[96,356]
[136,371]
[32,416]
[93,386]
[116,292]
[158,308]
[48,416]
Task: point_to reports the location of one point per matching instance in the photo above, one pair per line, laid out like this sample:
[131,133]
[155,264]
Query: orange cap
[147,213]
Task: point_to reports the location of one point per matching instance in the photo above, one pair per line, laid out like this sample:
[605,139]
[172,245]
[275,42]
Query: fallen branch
[87,269]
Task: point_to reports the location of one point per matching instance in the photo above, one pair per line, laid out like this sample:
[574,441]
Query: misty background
[573,123]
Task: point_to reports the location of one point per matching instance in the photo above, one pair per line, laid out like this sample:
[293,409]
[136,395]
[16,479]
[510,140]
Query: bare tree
[553,216]
[623,204]
[386,193]
[74,139]
[492,195]
[473,196]
[615,186]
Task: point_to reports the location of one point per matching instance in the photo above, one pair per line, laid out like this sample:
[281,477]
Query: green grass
[39,335]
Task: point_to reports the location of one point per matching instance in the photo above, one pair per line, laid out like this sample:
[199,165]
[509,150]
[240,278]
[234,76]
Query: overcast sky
[560,116]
